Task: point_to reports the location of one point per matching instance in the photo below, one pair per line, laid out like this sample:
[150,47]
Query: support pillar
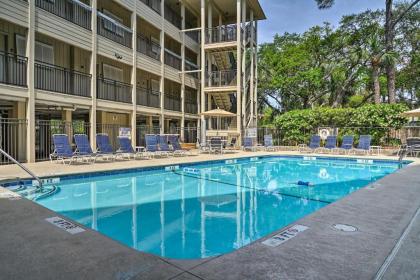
[239,69]
[203,72]
[182,124]
[92,113]
[133,115]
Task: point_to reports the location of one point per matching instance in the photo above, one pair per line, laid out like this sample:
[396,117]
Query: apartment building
[80,66]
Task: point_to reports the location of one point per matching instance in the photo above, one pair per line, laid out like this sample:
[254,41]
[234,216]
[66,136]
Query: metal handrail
[23,167]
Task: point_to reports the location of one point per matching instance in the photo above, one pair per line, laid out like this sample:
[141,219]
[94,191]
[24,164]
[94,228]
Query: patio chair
[62,149]
[249,144]
[83,147]
[176,146]
[216,145]
[127,148]
[104,147]
[230,148]
[314,144]
[364,144]
[346,145]
[413,146]
[164,148]
[152,146]
[330,144]
[268,143]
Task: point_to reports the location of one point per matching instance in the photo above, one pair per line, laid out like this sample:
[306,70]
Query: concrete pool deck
[31,248]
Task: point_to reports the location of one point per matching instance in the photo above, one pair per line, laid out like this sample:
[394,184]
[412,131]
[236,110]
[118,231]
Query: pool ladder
[39,187]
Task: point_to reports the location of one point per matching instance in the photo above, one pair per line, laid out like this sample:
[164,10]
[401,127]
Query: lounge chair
[268,143]
[62,149]
[314,144]
[346,145]
[216,145]
[164,148]
[127,149]
[413,146]
[104,147]
[176,146]
[83,147]
[330,144]
[152,146]
[364,144]
[249,144]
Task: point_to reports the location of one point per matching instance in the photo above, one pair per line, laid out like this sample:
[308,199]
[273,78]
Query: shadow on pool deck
[31,248]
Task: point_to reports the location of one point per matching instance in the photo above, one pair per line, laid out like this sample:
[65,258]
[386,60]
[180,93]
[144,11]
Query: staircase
[222,101]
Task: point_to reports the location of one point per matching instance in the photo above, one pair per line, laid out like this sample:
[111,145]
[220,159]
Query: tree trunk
[389,46]
[375,79]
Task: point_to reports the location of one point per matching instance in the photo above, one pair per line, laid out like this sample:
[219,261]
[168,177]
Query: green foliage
[377,120]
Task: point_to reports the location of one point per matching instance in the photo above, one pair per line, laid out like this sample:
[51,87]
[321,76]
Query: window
[154,85]
[44,53]
[20,45]
[112,72]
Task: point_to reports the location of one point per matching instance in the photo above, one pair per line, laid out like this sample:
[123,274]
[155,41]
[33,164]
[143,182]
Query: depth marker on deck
[64,224]
[284,235]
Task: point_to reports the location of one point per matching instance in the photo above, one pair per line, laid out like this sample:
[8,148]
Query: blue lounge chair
[330,144]
[83,147]
[347,144]
[176,146]
[104,147]
[62,149]
[152,146]
[314,144]
[164,146]
[364,144]
[268,143]
[127,149]
[249,144]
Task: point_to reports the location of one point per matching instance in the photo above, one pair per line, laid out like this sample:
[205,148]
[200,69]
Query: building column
[162,69]
[239,69]
[203,72]
[134,78]
[19,113]
[251,83]
[256,74]
[183,73]
[30,105]
[92,113]
[243,58]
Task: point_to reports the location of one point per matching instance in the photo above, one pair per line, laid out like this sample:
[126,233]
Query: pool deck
[386,245]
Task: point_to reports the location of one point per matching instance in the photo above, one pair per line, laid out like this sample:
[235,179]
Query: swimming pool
[210,208]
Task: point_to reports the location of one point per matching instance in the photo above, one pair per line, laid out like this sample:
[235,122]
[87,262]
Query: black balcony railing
[189,66]
[250,31]
[194,35]
[172,102]
[221,78]
[173,17]
[71,10]
[13,69]
[148,47]
[59,79]
[191,107]
[153,4]
[224,33]
[113,90]
[113,30]
[148,97]
[173,60]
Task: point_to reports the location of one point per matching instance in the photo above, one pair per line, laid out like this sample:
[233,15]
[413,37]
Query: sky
[299,15]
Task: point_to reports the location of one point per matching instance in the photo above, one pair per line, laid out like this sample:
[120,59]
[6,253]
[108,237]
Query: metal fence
[13,139]
[13,69]
[190,134]
[148,47]
[173,60]
[153,4]
[113,30]
[148,97]
[45,129]
[73,11]
[172,101]
[113,131]
[221,78]
[113,90]
[224,33]
[172,16]
[142,130]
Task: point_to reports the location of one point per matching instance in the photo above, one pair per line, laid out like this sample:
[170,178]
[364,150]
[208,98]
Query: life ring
[324,133]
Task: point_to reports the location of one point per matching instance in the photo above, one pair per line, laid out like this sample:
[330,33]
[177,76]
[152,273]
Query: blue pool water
[208,209]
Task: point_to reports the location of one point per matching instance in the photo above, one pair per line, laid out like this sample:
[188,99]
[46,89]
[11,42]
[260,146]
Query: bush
[377,120]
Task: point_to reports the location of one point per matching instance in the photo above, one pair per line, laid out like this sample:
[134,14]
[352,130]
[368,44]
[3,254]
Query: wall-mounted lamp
[118,56]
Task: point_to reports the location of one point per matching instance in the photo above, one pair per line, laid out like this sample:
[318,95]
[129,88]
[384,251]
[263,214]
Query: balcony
[148,97]
[115,31]
[191,107]
[153,4]
[148,47]
[189,66]
[172,102]
[250,31]
[59,79]
[173,60]
[71,10]
[221,78]
[173,17]
[224,33]
[13,69]
[113,90]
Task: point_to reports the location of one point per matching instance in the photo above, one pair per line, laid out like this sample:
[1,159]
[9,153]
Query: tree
[390,24]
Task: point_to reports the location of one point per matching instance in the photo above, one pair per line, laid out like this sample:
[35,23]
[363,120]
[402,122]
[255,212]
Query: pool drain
[344,228]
